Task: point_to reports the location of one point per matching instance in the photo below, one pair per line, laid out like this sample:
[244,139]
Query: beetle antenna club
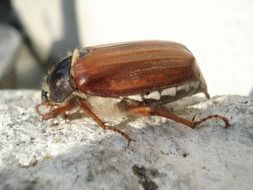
[135,78]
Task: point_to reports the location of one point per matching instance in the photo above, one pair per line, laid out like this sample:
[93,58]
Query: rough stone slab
[76,154]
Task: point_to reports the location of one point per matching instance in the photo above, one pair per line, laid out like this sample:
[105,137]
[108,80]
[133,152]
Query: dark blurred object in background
[20,66]
[5,11]
[32,35]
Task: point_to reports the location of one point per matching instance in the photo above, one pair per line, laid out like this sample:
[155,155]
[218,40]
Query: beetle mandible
[135,78]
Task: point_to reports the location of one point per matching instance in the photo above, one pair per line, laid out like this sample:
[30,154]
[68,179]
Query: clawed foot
[224,119]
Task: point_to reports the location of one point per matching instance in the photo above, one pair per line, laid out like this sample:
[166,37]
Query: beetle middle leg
[158,111]
[86,107]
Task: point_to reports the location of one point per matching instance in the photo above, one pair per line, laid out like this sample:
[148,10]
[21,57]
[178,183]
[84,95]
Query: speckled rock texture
[76,154]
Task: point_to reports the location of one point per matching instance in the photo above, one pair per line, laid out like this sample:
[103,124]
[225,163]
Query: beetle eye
[44,95]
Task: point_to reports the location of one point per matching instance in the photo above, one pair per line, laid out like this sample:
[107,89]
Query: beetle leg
[86,107]
[147,110]
[213,116]
[57,111]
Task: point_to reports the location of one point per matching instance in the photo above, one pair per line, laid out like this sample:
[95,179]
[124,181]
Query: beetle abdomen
[136,68]
[167,95]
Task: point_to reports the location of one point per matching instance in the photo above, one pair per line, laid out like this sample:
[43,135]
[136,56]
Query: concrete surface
[76,154]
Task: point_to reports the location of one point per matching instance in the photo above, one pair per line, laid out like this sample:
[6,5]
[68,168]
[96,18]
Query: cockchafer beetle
[134,78]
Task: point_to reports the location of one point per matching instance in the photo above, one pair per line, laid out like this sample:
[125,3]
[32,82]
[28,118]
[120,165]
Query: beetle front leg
[147,111]
[86,107]
[55,112]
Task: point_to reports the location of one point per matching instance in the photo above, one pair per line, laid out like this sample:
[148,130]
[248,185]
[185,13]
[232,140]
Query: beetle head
[57,85]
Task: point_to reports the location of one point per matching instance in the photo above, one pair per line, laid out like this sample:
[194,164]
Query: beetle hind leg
[148,111]
[224,119]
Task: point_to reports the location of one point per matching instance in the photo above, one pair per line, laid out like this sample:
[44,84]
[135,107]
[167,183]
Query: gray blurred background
[218,32]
